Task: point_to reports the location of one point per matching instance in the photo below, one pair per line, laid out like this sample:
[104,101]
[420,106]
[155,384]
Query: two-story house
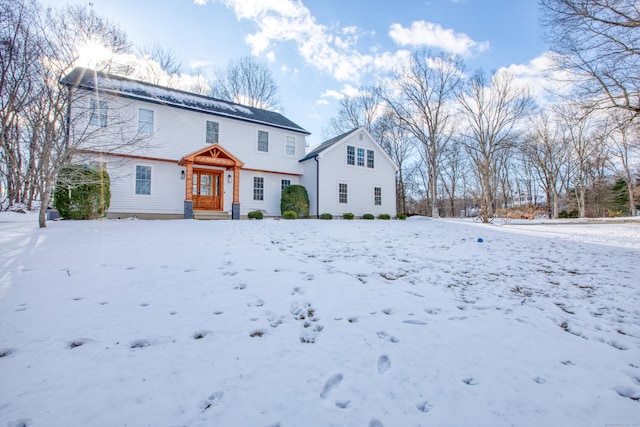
[175,154]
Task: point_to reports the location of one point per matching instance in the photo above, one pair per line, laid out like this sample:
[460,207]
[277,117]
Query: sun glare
[91,53]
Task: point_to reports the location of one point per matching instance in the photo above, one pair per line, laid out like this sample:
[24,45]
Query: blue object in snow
[480,240]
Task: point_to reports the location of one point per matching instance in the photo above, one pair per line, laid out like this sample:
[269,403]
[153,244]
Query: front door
[207,189]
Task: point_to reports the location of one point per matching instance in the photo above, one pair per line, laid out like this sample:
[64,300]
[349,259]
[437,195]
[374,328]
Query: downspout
[317,187]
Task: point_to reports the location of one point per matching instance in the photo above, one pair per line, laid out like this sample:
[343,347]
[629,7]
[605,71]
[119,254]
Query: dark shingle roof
[108,83]
[320,148]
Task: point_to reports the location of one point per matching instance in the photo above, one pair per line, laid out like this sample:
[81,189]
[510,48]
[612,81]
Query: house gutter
[317,187]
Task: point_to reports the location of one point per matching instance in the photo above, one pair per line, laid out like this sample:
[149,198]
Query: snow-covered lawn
[319,323]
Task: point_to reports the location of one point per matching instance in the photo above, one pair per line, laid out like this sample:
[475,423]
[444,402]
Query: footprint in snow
[213,400]
[375,423]
[331,383]
[424,406]
[24,422]
[383,364]
[470,381]
[4,352]
[77,343]
[386,337]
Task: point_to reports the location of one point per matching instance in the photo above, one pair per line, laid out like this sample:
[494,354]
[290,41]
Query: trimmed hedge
[401,216]
[348,215]
[289,215]
[82,192]
[255,215]
[384,216]
[326,216]
[295,198]
[368,216]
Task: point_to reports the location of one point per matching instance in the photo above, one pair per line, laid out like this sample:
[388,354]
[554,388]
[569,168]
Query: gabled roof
[327,144]
[92,80]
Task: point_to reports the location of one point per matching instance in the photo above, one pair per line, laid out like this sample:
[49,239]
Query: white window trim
[338,188]
[253,188]
[205,132]
[95,112]
[153,124]
[295,143]
[258,141]
[135,179]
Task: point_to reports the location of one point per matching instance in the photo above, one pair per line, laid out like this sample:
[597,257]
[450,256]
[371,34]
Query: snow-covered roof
[88,79]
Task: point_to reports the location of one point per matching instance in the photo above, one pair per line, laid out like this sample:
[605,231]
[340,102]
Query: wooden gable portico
[204,187]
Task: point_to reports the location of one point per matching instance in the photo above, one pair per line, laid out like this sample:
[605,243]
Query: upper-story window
[370,162]
[97,112]
[213,129]
[290,146]
[351,155]
[360,156]
[145,121]
[263,141]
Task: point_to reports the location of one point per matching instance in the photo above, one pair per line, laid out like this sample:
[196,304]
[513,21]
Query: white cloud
[423,33]
[543,80]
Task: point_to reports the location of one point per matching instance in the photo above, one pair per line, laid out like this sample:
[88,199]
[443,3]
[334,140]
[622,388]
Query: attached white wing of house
[175,154]
[350,174]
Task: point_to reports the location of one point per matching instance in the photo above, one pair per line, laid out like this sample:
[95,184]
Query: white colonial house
[175,154]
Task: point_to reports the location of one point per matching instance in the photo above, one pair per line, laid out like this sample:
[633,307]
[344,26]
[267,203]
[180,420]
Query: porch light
[229,178]
[181,174]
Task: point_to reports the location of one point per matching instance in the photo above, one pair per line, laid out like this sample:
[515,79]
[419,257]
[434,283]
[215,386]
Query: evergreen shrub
[348,215]
[368,216]
[326,216]
[384,216]
[295,198]
[289,215]
[82,192]
[255,215]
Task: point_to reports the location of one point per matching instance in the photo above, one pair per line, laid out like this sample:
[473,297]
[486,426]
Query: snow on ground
[319,323]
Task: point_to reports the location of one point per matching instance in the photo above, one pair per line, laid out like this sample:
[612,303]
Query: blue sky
[319,50]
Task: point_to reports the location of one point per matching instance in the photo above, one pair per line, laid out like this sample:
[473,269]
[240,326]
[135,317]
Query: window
[285,183]
[351,155]
[377,196]
[143,179]
[370,159]
[342,193]
[360,156]
[145,121]
[213,128]
[290,146]
[258,188]
[97,113]
[263,141]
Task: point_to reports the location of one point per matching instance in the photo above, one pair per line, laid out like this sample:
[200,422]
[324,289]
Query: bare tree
[396,142]
[598,41]
[546,151]
[491,107]
[165,58]
[421,97]
[20,51]
[453,170]
[363,109]
[248,82]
